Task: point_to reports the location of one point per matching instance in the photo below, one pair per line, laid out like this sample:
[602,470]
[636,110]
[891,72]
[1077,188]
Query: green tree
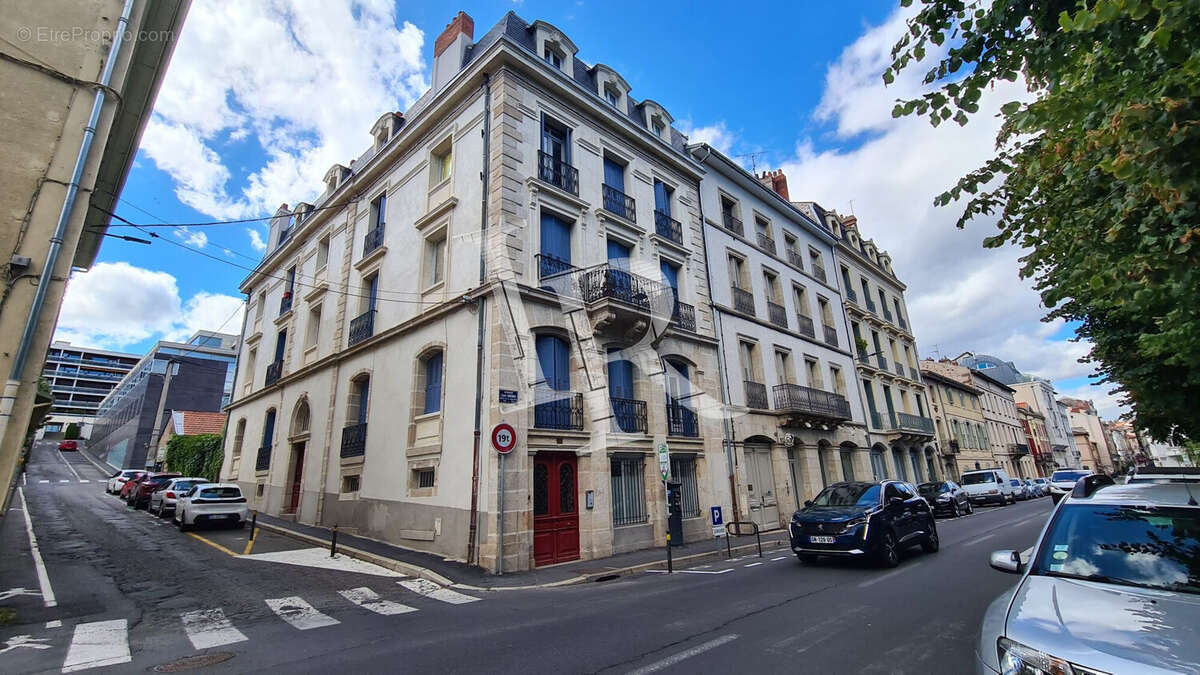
[196,455]
[71,432]
[1096,177]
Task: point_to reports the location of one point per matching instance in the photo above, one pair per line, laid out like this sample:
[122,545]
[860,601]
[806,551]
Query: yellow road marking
[212,544]
[249,545]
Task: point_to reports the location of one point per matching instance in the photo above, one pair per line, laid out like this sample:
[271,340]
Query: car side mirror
[1006,561]
[895,501]
[807,503]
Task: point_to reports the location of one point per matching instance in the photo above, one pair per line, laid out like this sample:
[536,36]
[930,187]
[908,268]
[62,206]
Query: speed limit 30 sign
[504,438]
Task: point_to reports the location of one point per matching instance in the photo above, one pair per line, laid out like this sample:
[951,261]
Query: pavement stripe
[56,623]
[369,599]
[44,480]
[64,480]
[983,538]
[685,654]
[879,579]
[779,558]
[299,613]
[431,590]
[84,480]
[753,564]
[100,643]
[209,628]
[39,565]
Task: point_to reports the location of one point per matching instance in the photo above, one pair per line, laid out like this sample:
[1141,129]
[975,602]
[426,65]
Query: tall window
[618,255]
[814,374]
[556,140]
[783,367]
[322,252]
[683,470]
[670,276]
[248,373]
[313,327]
[435,260]
[378,211]
[280,345]
[662,197]
[614,175]
[839,382]
[239,436]
[432,370]
[552,406]
[440,162]
[628,490]
[870,394]
[370,293]
[357,403]
[737,272]
[801,298]
[268,436]
[555,245]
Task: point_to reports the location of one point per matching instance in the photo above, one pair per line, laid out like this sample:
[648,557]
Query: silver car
[1113,586]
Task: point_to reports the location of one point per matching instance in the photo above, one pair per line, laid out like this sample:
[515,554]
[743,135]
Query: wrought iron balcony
[818,272]
[886,313]
[558,173]
[362,327]
[629,415]
[1018,449]
[881,361]
[613,283]
[285,303]
[263,461]
[756,395]
[732,224]
[954,447]
[830,335]
[870,305]
[684,316]
[777,314]
[558,410]
[914,423]
[618,203]
[883,421]
[810,402]
[550,266]
[274,372]
[850,294]
[795,258]
[668,227]
[766,243]
[373,240]
[681,420]
[805,325]
[354,440]
[900,369]
[743,300]
[902,322]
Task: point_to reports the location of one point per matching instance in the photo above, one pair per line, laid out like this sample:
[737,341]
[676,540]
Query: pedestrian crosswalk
[105,643]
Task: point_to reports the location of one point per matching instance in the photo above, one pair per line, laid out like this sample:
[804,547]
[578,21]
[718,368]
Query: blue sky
[262,97]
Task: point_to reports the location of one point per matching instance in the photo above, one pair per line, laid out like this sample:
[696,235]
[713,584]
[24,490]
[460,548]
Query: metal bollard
[333,543]
[759,540]
[253,525]
[670,563]
[728,546]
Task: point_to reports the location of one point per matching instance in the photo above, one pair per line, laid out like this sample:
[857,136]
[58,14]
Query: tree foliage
[71,432]
[196,455]
[1096,177]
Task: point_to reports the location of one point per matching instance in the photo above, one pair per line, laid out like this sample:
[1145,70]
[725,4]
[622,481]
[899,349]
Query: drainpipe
[8,400]
[472,543]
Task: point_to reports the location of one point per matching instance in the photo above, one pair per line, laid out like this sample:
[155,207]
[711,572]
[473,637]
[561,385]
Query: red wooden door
[297,474]
[555,509]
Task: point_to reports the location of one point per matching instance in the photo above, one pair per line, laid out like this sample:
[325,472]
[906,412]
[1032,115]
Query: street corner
[246,541]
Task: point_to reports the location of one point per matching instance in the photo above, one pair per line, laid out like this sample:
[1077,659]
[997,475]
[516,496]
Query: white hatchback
[118,480]
[212,503]
[164,498]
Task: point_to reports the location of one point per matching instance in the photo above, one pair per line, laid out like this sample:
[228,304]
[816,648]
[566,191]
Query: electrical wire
[239,221]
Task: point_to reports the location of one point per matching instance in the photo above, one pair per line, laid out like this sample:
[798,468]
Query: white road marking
[706,571]
[44,480]
[983,538]
[209,628]
[40,565]
[69,467]
[84,480]
[23,481]
[64,480]
[685,654]
[779,558]
[100,643]
[299,613]
[431,590]
[753,564]
[369,599]
[319,558]
[57,623]
[879,579]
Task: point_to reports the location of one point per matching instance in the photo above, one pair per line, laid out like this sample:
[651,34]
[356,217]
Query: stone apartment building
[523,245]
[960,426]
[1038,394]
[1033,423]
[1005,435]
[1083,415]
[887,371]
[795,419]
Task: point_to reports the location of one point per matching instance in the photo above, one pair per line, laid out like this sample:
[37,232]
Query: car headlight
[944,498]
[1017,659]
[849,525]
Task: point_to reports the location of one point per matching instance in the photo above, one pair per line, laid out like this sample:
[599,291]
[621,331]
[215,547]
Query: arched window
[358,400]
[300,418]
[431,376]
[269,429]
[878,464]
[239,436]
[554,403]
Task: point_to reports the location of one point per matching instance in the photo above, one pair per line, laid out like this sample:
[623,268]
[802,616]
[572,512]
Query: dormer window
[552,57]
[553,46]
[611,95]
[658,128]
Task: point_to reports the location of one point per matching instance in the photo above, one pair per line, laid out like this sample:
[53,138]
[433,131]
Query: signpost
[508,395]
[718,522]
[504,439]
[664,468]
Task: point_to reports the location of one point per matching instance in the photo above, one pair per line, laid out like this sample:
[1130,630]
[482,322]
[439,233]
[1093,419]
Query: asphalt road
[108,565]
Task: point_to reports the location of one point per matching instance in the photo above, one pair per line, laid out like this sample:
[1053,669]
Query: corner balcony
[619,303]
[805,405]
[354,440]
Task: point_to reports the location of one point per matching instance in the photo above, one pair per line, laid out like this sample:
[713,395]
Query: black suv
[859,519]
[946,497]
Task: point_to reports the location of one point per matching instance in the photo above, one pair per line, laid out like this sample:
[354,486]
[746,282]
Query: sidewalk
[449,572]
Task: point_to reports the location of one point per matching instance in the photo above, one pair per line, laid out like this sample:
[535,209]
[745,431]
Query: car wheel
[954,509]
[179,520]
[889,555]
[970,508]
[931,543]
[241,525]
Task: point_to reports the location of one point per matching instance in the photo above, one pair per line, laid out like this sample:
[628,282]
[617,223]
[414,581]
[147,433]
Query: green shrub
[71,432]
[198,455]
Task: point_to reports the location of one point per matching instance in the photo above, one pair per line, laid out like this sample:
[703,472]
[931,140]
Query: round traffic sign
[504,438]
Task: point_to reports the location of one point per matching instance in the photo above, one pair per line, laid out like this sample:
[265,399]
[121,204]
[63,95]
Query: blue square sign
[716,515]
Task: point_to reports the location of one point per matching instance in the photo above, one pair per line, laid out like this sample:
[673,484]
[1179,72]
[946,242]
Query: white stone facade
[1039,395]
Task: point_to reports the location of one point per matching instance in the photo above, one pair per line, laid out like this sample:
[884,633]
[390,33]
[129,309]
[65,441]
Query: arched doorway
[878,462]
[899,462]
[298,436]
[761,494]
[846,454]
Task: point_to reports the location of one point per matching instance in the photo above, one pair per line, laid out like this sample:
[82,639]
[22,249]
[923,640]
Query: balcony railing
[830,335]
[263,461]
[362,327]
[777,314]
[881,361]
[870,305]
[1018,449]
[668,227]
[373,239]
[743,300]
[795,398]
[732,224]
[629,415]
[805,325]
[354,440]
[549,266]
[618,203]
[684,316]
[883,421]
[681,420]
[954,446]
[818,272]
[756,395]
[613,283]
[766,243]
[886,313]
[915,423]
[900,369]
[274,372]
[900,320]
[285,303]
[558,173]
[558,410]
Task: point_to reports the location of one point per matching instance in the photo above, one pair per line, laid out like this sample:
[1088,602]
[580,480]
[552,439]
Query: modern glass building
[80,378]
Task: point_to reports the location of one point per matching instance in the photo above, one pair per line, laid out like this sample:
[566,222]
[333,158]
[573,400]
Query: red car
[139,494]
[132,483]
[68,445]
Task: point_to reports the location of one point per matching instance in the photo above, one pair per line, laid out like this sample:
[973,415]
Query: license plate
[821,540]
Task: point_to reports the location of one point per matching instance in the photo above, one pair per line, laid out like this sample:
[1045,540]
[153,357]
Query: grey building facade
[80,378]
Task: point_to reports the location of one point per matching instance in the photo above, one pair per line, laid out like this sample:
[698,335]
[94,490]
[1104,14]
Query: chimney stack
[776,181]
[450,48]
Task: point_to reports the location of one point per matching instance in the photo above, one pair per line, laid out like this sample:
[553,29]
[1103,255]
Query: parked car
[1043,486]
[988,486]
[163,499]
[1113,586]
[211,503]
[1063,481]
[1032,488]
[139,496]
[132,483]
[860,519]
[68,445]
[1020,490]
[117,480]
[1165,474]
[946,497]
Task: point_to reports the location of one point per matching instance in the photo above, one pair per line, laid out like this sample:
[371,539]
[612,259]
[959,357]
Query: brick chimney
[450,48]
[776,181]
[850,222]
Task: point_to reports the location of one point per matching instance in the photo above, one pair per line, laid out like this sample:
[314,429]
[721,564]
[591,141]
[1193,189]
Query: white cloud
[192,238]
[256,240]
[115,305]
[716,135]
[305,79]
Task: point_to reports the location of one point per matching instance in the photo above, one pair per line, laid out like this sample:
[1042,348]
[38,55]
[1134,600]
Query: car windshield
[220,493]
[185,485]
[932,488]
[1063,476]
[1150,547]
[1014,482]
[977,478]
[848,494]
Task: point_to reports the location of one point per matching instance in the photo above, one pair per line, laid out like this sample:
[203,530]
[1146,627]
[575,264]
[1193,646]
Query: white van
[988,485]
